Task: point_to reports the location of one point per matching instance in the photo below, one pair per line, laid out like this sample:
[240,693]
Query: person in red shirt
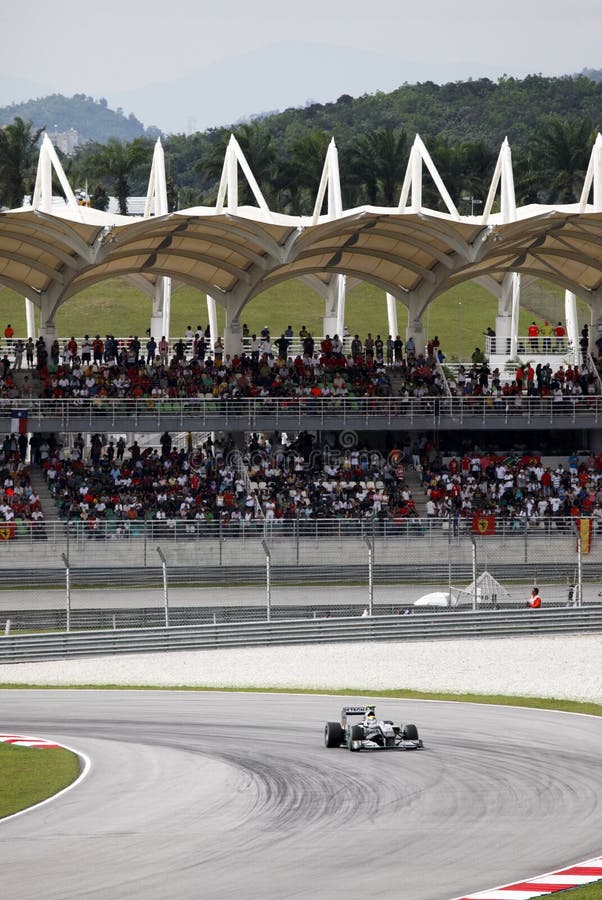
[534,601]
[519,378]
[560,334]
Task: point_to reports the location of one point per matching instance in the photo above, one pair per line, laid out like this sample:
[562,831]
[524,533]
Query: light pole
[474,201]
[67,590]
[165,596]
[474,572]
[370,576]
[268,582]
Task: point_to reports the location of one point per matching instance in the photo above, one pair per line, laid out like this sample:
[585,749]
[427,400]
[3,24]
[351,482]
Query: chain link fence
[291,571]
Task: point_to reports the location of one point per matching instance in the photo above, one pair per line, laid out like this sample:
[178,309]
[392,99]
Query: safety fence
[138,583]
[426,626]
[305,550]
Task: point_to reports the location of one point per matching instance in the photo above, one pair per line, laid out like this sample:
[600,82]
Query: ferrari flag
[18,424]
[483,524]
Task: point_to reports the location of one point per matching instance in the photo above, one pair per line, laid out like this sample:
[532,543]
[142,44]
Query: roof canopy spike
[503,177]
[420,157]
[593,178]
[330,179]
[42,192]
[156,195]
[228,186]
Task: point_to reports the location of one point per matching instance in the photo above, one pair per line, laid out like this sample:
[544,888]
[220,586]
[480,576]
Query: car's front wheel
[410,732]
[356,736]
[333,734]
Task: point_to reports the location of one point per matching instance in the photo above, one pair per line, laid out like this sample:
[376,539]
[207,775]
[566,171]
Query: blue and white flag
[18,423]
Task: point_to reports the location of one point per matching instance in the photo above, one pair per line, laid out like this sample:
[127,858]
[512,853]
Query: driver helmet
[370,712]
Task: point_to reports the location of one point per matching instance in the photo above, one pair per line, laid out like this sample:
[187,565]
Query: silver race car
[371,733]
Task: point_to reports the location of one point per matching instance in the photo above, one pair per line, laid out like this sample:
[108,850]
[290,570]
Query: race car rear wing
[355,710]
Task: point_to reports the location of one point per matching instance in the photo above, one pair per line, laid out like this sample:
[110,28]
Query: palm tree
[477,164]
[298,177]
[18,150]
[561,152]
[116,162]
[377,164]
[257,145]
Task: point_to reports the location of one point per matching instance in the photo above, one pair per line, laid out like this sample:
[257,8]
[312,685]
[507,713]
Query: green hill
[92,119]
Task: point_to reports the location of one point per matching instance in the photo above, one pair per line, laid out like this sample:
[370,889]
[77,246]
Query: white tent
[488,589]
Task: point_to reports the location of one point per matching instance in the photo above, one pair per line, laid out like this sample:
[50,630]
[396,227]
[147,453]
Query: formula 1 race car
[371,733]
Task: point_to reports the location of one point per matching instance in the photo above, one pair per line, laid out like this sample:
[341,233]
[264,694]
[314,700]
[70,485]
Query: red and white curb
[571,877]
[21,741]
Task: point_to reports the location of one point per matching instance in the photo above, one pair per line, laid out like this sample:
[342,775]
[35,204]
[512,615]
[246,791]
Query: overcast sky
[120,48]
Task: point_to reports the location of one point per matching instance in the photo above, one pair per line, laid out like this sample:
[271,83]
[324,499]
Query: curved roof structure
[241,251]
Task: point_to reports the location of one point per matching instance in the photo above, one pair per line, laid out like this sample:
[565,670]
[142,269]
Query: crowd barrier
[278,531]
[148,414]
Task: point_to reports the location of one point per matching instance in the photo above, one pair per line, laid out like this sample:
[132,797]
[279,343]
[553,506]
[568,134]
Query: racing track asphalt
[215,795]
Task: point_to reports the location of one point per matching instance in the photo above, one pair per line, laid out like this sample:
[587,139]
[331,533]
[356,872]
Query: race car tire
[333,734]
[410,732]
[356,733]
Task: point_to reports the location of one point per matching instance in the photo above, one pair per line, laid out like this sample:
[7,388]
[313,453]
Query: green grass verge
[590,892]
[459,317]
[29,775]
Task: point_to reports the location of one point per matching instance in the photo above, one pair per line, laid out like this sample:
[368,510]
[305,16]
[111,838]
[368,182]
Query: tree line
[550,122]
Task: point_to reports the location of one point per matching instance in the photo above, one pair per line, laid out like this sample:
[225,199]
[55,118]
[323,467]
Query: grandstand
[276,433]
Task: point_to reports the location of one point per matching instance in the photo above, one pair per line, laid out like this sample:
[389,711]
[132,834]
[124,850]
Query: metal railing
[543,345]
[420,626]
[148,414]
[123,531]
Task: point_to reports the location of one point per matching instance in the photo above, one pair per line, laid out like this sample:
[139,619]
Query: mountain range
[286,74]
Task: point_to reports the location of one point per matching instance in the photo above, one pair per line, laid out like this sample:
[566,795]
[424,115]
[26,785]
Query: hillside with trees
[551,124]
[92,119]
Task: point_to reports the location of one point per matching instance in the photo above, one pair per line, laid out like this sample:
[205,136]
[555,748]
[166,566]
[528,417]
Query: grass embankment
[28,775]
[459,317]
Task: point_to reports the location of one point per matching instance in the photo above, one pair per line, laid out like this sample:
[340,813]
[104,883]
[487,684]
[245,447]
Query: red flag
[483,524]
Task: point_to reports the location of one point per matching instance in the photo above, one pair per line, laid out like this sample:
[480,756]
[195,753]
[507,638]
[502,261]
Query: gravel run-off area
[553,667]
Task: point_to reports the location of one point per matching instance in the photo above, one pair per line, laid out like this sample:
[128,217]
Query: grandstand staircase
[412,479]
[38,483]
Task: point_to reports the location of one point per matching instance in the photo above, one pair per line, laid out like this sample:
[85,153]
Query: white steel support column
[47,326]
[595,332]
[515,314]
[415,328]
[334,313]
[392,315]
[507,321]
[572,324]
[232,339]
[591,185]
[410,200]
[341,297]
[212,319]
[48,162]
[161,309]
[156,205]
[232,331]
[30,319]
[330,320]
